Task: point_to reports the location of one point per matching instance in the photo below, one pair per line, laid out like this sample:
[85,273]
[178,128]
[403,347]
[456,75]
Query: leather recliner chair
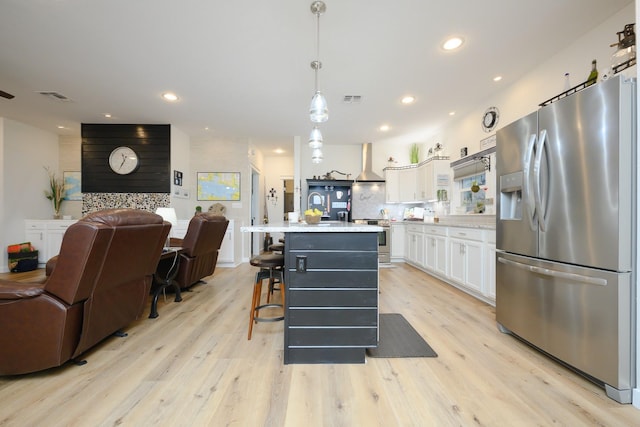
[99,285]
[200,246]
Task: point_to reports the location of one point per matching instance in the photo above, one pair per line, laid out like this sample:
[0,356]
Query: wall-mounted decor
[72,185]
[219,186]
[177,178]
[126,158]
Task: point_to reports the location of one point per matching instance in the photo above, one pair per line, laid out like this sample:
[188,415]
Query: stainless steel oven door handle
[555,273]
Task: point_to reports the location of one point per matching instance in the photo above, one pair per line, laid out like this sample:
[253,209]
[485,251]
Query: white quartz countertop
[302,227]
[486,222]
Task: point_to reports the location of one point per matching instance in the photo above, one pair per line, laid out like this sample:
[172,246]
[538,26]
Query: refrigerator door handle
[555,273]
[526,188]
[536,172]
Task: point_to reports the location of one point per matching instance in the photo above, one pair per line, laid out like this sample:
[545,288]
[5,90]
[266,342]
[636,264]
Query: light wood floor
[193,366]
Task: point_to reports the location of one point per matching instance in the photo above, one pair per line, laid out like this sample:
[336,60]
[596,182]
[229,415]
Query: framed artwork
[219,186]
[72,185]
[177,178]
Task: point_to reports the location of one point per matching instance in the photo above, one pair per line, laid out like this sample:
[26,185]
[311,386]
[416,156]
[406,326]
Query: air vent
[352,99]
[57,96]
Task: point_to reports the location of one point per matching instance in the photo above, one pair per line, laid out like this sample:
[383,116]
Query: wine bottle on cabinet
[593,75]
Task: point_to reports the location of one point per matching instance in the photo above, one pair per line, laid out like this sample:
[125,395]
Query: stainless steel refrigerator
[565,230]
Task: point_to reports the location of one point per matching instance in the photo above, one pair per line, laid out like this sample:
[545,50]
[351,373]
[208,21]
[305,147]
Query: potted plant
[415,153]
[55,193]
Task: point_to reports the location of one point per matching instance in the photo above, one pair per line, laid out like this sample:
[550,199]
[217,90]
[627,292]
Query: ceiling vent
[352,99]
[56,96]
[6,95]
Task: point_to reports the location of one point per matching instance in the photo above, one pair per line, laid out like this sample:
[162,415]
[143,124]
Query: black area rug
[399,339]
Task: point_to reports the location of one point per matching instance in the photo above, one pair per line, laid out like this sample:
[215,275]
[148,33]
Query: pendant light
[315,138]
[318,111]
[316,156]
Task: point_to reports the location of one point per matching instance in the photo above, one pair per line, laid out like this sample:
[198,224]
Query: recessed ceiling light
[279,151]
[409,99]
[452,113]
[107,115]
[384,128]
[168,96]
[61,127]
[452,43]
[497,78]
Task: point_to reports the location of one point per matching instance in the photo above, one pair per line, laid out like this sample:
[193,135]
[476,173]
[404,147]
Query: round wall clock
[123,160]
[490,119]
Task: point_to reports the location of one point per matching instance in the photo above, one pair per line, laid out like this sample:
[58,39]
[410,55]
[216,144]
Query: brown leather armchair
[99,285]
[200,248]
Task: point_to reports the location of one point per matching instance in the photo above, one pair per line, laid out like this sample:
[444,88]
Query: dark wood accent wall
[152,143]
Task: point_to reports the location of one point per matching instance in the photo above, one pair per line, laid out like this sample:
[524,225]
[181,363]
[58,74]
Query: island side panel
[331,296]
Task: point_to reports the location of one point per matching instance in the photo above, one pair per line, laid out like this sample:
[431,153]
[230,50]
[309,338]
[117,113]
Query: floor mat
[399,339]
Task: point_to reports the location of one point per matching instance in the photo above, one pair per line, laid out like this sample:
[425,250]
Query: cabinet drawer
[59,225]
[308,336]
[333,317]
[334,259]
[332,298]
[332,241]
[466,233]
[34,225]
[415,228]
[435,230]
[332,279]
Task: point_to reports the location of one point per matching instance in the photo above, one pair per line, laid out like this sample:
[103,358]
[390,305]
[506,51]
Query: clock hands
[124,159]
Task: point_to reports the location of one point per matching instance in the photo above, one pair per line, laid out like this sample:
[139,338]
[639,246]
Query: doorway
[288,197]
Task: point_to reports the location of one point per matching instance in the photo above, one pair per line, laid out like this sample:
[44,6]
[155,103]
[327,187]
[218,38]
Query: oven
[384,238]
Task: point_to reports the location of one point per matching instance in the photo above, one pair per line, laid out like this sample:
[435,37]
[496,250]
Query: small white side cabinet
[227,249]
[397,242]
[46,236]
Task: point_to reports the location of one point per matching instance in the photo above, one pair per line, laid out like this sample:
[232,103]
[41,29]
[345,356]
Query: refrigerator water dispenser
[511,196]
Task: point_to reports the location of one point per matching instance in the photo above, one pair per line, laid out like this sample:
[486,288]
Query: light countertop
[322,227]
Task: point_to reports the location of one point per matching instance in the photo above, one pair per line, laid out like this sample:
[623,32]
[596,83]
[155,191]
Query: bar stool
[271,267]
[276,247]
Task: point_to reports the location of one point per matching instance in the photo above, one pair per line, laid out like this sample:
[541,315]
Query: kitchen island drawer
[331,259]
[332,337]
[332,279]
[329,241]
[329,297]
[333,316]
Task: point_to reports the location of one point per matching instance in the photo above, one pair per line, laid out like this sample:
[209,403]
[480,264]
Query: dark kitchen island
[331,278]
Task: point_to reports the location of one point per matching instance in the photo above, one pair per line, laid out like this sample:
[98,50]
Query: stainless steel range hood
[367,174]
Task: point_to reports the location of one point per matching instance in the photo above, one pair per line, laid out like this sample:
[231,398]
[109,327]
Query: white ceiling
[241,67]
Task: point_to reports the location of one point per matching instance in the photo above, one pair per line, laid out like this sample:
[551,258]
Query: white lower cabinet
[490,264]
[397,242]
[226,252]
[463,257]
[466,254]
[435,240]
[414,252]
[227,248]
[46,236]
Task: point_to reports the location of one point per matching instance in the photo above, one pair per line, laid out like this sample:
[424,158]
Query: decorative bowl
[312,219]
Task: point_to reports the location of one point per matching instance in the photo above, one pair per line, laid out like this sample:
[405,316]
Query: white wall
[70,158]
[522,97]
[26,151]
[222,155]
[180,158]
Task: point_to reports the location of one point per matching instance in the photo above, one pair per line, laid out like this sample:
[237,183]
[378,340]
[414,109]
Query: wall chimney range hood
[367,174]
